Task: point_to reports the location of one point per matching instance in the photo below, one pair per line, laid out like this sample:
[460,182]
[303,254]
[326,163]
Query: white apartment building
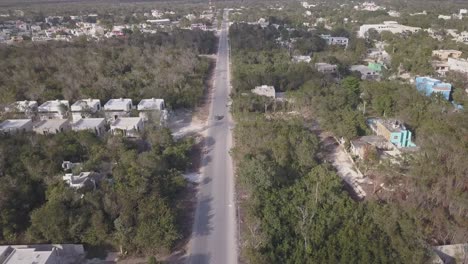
[54,109]
[390,26]
[85,108]
[116,108]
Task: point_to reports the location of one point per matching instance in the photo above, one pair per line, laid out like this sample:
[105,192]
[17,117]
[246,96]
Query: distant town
[234,132]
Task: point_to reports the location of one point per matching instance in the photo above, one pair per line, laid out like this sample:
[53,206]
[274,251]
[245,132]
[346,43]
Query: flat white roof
[28,255]
[87,123]
[151,104]
[83,104]
[53,106]
[126,122]
[50,123]
[13,123]
[3,250]
[21,106]
[118,104]
[323,64]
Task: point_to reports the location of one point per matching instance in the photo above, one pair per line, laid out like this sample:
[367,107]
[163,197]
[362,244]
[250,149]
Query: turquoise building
[428,86]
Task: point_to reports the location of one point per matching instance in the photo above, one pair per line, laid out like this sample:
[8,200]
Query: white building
[79,181]
[12,126]
[53,109]
[265,90]
[94,125]
[85,108]
[370,6]
[462,37]
[301,58]
[366,72]
[27,108]
[458,64]
[394,13]
[307,5]
[116,108]
[164,21]
[22,106]
[51,126]
[335,40]
[390,26]
[42,254]
[127,126]
[148,106]
[445,54]
[441,67]
[325,67]
[68,165]
[444,17]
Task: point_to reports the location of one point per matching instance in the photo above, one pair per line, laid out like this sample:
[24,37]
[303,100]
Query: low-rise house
[13,126]
[335,40]
[301,58]
[53,109]
[428,86]
[147,107]
[366,72]
[444,17]
[458,65]
[85,108]
[198,26]
[25,108]
[94,125]
[51,126]
[441,67]
[390,26]
[393,13]
[127,126]
[68,165]
[446,54]
[160,22]
[326,68]
[362,146]
[84,179]
[116,108]
[265,90]
[42,254]
[462,37]
[393,131]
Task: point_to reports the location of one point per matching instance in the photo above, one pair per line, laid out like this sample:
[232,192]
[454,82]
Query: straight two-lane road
[214,230]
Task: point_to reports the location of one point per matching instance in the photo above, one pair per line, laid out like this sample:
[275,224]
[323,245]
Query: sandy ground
[339,158]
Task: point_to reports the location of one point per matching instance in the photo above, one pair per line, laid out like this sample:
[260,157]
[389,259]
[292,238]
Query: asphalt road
[214,229]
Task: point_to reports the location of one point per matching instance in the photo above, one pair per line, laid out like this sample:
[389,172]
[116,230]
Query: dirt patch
[202,111]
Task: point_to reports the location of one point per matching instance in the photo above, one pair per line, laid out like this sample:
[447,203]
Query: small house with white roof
[85,108]
[55,109]
[116,108]
[51,126]
[127,126]
[26,108]
[13,126]
[265,90]
[94,125]
[147,107]
[82,180]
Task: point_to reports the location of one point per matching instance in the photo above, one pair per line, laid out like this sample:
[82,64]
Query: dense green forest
[296,208]
[136,206]
[162,65]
